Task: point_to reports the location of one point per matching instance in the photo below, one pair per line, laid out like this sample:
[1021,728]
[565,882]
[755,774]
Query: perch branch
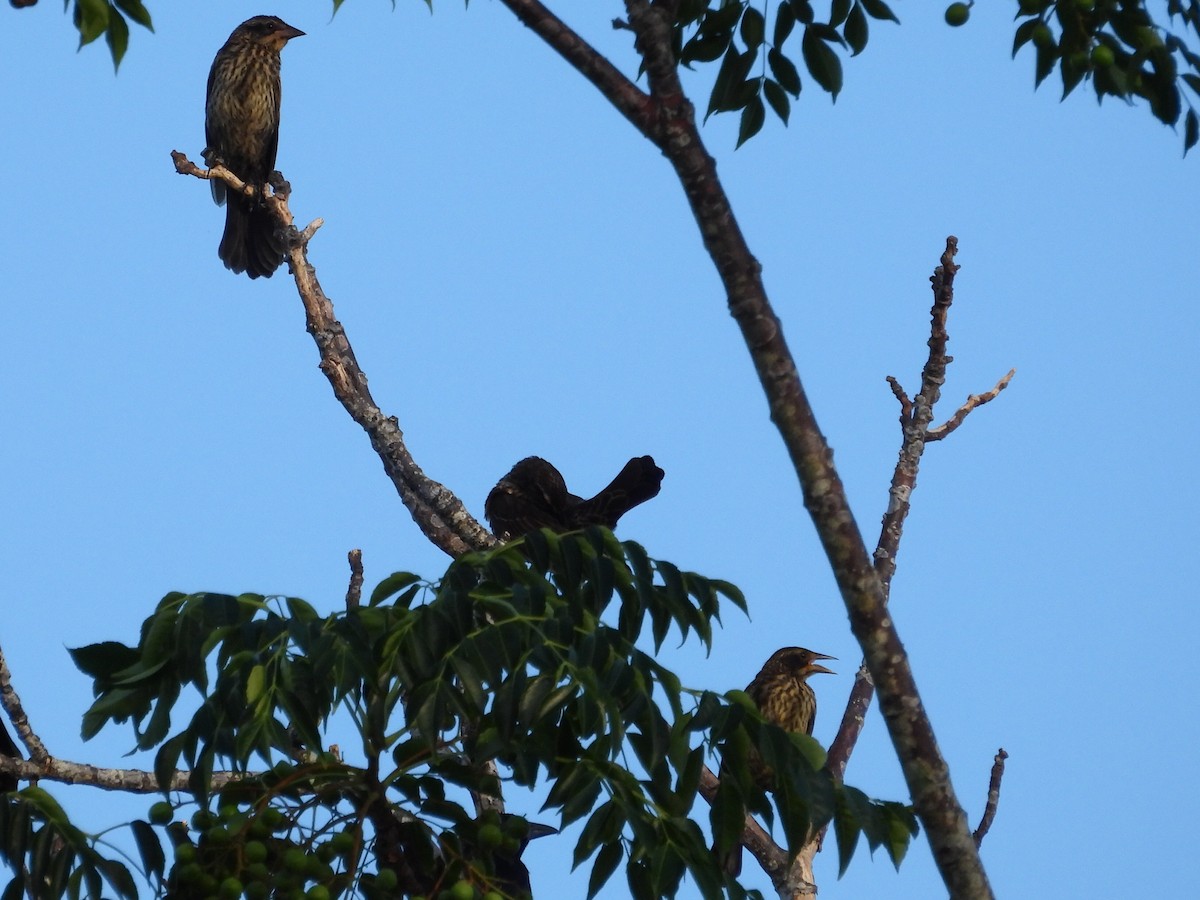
[993,798]
[354,590]
[440,515]
[11,702]
[667,119]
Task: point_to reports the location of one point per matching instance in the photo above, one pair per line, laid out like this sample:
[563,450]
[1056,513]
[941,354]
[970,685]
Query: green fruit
[218,834]
[189,874]
[462,890]
[957,14]
[255,852]
[342,842]
[258,890]
[1085,5]
[161,813]
[1103,56]
[272,818]
[202,820]
[184,854]
[490,837]
[386,880]
[1043,36]
[318,892]
[257,872]
[230,889]
[294,860]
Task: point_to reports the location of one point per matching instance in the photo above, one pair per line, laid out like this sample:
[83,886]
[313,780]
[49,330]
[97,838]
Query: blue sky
[519,274]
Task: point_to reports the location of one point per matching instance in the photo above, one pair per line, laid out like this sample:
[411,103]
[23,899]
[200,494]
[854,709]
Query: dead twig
[993,800]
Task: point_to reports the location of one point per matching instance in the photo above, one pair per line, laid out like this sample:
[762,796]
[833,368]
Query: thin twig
[973,402]
[354,591]
[993,799]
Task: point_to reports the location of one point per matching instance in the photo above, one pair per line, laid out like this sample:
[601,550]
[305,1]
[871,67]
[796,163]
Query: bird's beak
[813,668]
[537,830]
[288,32]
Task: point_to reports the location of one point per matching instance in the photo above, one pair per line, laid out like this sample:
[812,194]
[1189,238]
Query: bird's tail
[640,480]
[250,243]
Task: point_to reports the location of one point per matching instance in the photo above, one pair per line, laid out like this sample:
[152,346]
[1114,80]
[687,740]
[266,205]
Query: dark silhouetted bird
[534,495]
[7,748]
[510,876]
[241,125]
[782,694]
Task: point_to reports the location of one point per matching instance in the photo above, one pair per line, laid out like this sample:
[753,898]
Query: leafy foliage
[529,655]
[1116,44]
[108,17]
[49,857]
[1120,49]
[753,68]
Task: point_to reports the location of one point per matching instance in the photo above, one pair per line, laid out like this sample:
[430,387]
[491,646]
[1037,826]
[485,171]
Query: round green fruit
[386,880]
[342,842]
[463,890]
[490,837]
[1102,56]
[318,892]
[255,852]
[957,14]
[230,889]
[161,813]
[1043,36]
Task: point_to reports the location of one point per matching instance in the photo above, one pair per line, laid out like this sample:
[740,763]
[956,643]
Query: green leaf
[606,863]
[753,28]
[117,37]
[135,11]
[877,9]
[785,73]
[838,12]
[822,62]
[149,848]
[390,586]
[785,21]
[1191,131]
[856,30]
[91,18]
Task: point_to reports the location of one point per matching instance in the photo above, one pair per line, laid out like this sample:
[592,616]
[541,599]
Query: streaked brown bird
[241,125]
[783,695]
[534,495]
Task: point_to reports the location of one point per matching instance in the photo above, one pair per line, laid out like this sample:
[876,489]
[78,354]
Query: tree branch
[16,714]
[993,799]
[440,515]
[354,590]
[674,131]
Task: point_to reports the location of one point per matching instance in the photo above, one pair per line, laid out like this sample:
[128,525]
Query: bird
[534,495]
[241,126]
[783,695]
[510,876]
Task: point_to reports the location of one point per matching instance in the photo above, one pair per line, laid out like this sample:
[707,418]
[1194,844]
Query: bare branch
[674,131]
[16,714]
[354,591]
[993,800]
[973,402]
[440,515]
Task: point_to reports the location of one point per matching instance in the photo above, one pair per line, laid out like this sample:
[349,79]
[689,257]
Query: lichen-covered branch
[436,510]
